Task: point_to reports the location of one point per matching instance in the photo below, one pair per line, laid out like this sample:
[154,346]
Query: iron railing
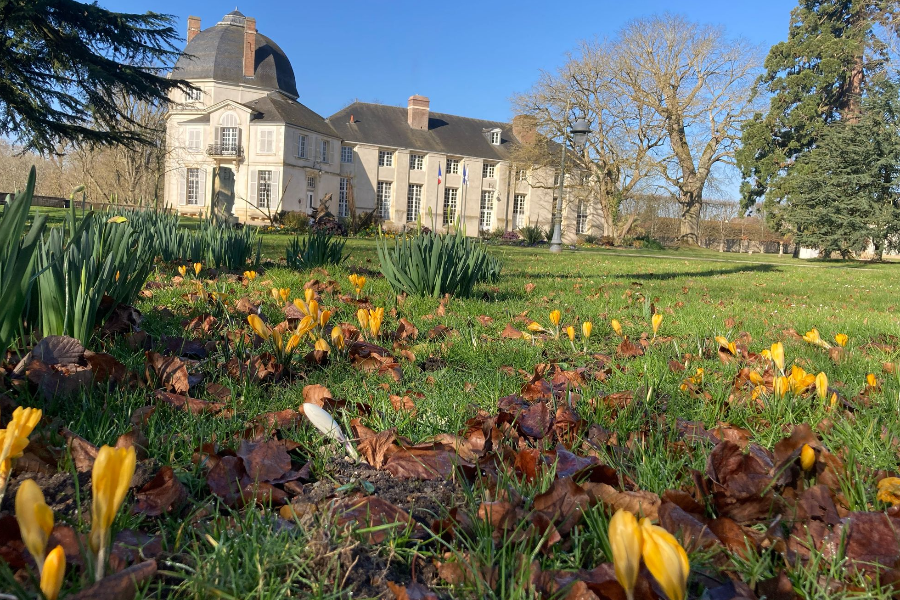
[225,150]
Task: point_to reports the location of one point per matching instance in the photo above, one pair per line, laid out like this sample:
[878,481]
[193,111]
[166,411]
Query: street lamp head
[580,129]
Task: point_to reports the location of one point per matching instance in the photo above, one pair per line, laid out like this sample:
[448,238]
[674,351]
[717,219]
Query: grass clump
[433,264]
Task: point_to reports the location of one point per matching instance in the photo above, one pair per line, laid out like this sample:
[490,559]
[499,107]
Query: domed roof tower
[218,53]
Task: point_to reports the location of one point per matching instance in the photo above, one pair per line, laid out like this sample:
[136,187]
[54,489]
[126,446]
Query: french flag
[439,174]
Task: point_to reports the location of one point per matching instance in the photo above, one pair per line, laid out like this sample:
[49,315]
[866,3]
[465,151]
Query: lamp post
[579,129]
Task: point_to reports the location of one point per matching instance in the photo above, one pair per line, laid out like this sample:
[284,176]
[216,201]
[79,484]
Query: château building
[246,140]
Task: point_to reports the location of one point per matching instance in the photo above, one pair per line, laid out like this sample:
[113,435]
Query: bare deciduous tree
[618,153]
[698,83]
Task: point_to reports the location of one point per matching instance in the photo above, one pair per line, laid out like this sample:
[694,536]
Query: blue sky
[468,57]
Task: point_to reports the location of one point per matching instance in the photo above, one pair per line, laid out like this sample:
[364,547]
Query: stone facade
[246,146]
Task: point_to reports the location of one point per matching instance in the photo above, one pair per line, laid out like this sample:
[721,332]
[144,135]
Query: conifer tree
[64,64]
[845,193]
[817,77]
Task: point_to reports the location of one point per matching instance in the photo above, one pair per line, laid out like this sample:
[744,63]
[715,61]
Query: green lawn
[700,294]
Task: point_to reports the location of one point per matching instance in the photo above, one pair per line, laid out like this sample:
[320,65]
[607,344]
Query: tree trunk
[690,203]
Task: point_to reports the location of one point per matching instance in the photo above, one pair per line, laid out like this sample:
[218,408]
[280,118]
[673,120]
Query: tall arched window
[229,134]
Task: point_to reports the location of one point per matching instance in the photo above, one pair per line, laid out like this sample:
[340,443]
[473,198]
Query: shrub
[327,225]
[315,250]
[532,234]
[295,221]
[646,242]
[17,257]
[511,236]
[433,264]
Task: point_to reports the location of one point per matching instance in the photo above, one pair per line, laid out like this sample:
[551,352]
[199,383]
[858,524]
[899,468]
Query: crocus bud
[626,542]
[807,457]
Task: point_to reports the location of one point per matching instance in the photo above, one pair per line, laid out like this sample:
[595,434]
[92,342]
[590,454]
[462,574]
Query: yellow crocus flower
[278,341]
[665,559]
[249,275]
[871,381]
[309,294]
[375,318]
[182,270]
[756,378]
[889,491]
[314,310]
[617,327]
[535,326]
[800,379]
[822,385]
[322,345]
[324,317]
[841,339]
[301,305]
[110,480]
[259,327]
[306,325]
[724,343]
[292,343]
[586,329]
[781,384]
[777,353]
[570,331]
[197,268]
[52,575]
[626,542]
[807,457]
[14,439]
[35,520]
[284,293]
[656,321]
[555,317]
[362,315]
[337,337]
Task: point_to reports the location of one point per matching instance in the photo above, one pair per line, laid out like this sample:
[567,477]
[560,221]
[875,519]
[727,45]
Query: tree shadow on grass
[767,268]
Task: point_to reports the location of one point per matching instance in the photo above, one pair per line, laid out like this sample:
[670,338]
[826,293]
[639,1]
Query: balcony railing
[225,150]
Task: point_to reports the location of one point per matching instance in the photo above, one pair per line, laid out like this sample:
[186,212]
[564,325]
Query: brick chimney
[417,112]
[525,128]
[193,27]
[249,47]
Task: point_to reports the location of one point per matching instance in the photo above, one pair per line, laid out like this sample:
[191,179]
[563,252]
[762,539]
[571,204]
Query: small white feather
[325,423]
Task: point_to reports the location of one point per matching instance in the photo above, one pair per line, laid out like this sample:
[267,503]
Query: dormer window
[495,137]
[193,95]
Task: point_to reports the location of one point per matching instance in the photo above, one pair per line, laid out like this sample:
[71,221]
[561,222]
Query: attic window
[495,137]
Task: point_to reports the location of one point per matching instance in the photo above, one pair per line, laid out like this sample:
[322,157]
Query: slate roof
[382,125]
[218,53]
[275,108]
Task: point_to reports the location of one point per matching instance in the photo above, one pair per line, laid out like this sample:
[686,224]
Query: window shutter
[201,193]
[330,153]
[253,186]
[297,146]
[182,186]
[239,139]
[275,194]
[218,138]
